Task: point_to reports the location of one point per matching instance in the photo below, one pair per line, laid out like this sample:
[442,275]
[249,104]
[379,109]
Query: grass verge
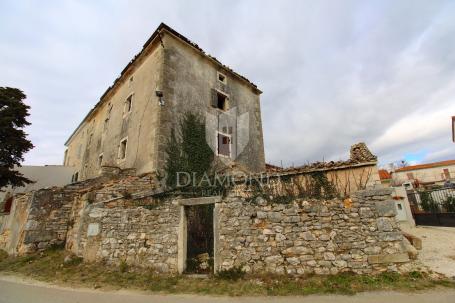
[49,266]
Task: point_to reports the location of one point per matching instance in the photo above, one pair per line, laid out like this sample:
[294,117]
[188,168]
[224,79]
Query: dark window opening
[100,160]
[123,146]
[75,177]
[224,147]
[221,78]
[128,104]
[221,101]
[8,205]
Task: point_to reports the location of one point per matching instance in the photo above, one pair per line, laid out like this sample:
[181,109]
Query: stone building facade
[130,125]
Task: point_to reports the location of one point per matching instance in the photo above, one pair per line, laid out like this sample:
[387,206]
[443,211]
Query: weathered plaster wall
[103,131]
[188,82]
[186,78]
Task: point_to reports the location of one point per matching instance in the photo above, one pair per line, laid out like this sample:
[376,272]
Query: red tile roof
[384,175]
[427,165]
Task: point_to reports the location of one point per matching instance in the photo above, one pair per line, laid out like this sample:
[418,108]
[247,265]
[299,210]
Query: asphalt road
[13,290]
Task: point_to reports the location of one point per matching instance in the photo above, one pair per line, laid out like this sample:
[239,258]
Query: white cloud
[333,73]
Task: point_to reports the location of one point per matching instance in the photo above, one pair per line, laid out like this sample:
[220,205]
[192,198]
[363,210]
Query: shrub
[427,202]
[234,273]
[3,255]
[449,204]
[123,267]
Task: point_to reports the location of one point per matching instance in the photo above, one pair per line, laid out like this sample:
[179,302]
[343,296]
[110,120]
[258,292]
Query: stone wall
[141,236]
[121,219]
[312,236]
[43,218]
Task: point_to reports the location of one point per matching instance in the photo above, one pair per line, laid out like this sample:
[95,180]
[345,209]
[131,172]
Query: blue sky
[333,73]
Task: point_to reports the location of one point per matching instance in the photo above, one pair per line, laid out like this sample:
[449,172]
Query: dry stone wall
[119,220]
[312,236]
[141,236]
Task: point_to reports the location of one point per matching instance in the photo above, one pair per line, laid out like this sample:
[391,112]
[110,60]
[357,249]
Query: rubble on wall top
[359,155]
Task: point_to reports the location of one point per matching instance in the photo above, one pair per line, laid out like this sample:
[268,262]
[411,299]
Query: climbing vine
[188,154]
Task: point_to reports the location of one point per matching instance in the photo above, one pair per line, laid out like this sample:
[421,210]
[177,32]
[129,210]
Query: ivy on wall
[187,151]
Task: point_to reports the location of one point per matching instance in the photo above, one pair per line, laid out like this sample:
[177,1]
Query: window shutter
[214,102]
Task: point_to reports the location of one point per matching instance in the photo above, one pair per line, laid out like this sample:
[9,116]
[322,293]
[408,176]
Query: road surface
[14,290]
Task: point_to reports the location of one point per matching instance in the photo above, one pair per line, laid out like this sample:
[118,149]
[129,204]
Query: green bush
[427,202]
[3,255]
[123,267]
[449,204]
[234,273]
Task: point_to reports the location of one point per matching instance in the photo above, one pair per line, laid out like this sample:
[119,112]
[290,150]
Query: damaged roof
[156,34]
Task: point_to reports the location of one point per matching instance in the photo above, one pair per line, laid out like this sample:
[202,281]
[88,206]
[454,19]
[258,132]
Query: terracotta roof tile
[426,165]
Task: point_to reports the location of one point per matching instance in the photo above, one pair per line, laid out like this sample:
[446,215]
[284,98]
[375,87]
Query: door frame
[182,249]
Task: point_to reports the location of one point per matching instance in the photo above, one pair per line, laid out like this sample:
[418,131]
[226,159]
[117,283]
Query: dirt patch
[438,247]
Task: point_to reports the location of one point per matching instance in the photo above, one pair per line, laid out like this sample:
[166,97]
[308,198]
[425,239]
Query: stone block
[386,208]
[93,229]
[390,258]
[384,224]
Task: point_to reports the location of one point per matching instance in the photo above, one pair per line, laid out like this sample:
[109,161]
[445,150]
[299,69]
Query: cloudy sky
[333,72]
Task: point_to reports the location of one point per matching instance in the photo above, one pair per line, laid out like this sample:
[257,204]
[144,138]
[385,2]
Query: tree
[13,141]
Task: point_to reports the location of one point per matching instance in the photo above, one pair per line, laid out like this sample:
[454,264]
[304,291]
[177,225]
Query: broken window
[75,177]
[221,101]
[122,149]
[100,160]
[221,78]
[108,116]
[224,147]
[128,105]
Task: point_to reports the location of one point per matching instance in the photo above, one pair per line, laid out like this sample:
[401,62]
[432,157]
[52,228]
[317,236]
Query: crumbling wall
[312,236]
[11,234]
[46,217]
[47,221]
[136,235]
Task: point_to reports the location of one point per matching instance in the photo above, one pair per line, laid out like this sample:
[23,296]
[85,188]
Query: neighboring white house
[44,176]
[430,173]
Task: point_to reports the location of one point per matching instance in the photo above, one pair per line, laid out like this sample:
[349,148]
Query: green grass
[49,267]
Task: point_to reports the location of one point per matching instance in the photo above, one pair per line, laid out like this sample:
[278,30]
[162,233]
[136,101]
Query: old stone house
[129,126]
[120,211]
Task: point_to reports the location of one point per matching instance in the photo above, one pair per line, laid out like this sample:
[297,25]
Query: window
[75,177]
[130,81]
[221,78]
[122,149]
[224,145]
[446,173]
[128,105]
[108,116]
[8,204]
[221,101]
[100,160]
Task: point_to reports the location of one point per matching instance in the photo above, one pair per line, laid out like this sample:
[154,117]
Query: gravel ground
[438,247]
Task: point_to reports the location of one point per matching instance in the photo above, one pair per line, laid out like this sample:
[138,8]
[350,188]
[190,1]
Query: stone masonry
[312,236]
[120,219]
